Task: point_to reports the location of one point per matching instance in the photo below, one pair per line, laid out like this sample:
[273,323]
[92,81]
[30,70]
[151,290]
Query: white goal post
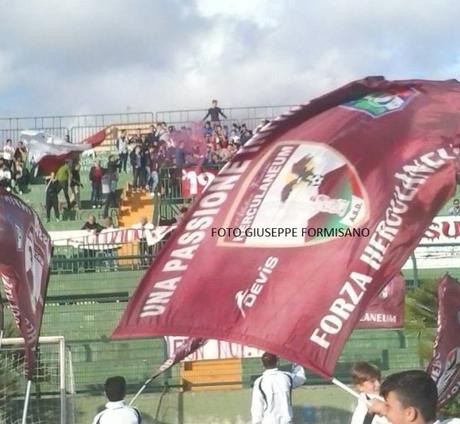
[53,392]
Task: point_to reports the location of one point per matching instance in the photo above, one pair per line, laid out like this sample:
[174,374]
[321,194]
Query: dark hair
[183,209]
[364,371]
[413,388]
[115,388]
[269,360]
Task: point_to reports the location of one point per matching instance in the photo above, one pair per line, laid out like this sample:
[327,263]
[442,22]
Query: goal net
[52,392]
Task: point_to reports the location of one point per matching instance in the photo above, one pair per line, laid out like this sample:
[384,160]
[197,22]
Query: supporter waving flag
[50,152]
[444,368]
[300,231]
[25,255]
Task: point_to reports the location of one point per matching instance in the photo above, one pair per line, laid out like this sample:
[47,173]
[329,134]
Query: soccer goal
[52,392]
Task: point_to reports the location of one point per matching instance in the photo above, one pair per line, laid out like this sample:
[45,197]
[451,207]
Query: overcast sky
[86,56]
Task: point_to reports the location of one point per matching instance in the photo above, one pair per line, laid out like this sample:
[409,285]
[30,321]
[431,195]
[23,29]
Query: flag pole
[343,386]
[139,392]
[186,348]
[26,402]
[164,367]
[2,321]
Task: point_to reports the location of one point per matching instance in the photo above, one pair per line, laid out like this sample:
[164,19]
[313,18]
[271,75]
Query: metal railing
[63,124]
[79,127]
[103,257]
[239,114]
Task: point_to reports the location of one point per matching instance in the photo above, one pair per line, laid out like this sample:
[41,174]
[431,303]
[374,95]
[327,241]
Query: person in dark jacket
[51,197]
[138,162]
[215,112]
[95,176]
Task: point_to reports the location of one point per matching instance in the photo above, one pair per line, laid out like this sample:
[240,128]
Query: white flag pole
[343,386]
[26,402]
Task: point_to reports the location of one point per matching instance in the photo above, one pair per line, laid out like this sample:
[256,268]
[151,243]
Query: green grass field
[332,406]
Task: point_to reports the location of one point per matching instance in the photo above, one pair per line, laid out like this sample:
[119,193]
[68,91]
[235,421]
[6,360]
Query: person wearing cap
[272,392]
[116,411]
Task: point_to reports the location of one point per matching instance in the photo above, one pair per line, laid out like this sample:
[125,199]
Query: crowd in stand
[165,146]
[14,175]
[144,155]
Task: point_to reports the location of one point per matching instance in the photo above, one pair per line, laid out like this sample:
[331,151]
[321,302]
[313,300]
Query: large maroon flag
[286,247]
[25,254]
[444,368]
[386,310]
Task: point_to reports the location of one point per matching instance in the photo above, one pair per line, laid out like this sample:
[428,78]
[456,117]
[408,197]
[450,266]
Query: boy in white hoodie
[366,378]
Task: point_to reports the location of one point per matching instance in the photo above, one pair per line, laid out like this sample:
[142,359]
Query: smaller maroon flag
[185,349]
[386,310]
[25,255]
[444,367]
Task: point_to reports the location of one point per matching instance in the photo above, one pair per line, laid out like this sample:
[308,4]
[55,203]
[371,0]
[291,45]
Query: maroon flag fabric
[386,310]
[444,367]
[299,232]
[25,254]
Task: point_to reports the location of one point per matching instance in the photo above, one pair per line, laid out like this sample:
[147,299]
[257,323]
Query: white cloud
[81,56]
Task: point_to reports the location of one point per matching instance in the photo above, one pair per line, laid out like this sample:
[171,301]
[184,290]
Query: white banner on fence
[214,349]
[440,247]
[109,236]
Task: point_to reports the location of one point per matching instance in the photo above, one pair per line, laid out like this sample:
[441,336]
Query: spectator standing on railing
[8,153]
[95,176]
[51,197]
[455,209]
[215,112]
[122,149]
[63,177]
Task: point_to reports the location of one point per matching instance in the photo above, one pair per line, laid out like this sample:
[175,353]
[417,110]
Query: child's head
[366,378]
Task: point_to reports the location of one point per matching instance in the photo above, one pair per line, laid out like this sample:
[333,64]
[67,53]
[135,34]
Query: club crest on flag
[302,185]
[378,104]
